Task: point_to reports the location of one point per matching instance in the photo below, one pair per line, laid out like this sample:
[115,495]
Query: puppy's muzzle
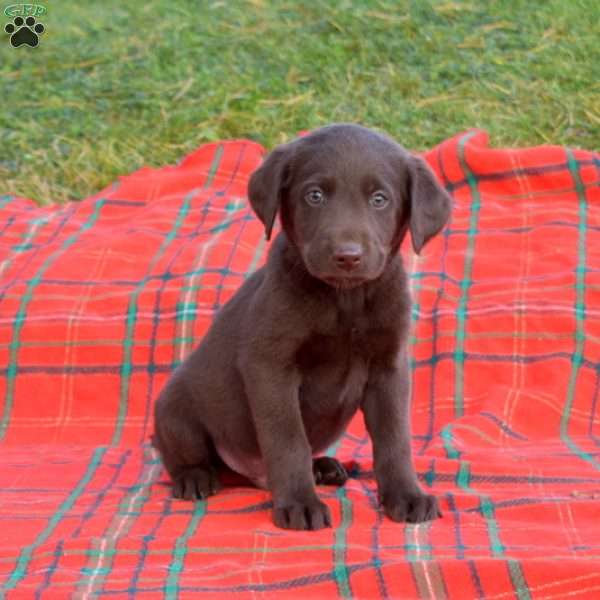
[347,257]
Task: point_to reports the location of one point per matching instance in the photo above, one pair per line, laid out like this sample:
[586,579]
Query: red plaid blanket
[100,299]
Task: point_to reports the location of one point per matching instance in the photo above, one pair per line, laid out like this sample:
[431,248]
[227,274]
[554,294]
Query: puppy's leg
[329,471]
[387,416]
[273,395]
[186,449]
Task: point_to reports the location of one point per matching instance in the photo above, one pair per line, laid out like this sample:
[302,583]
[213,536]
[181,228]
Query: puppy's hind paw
[195,483]
[329,471]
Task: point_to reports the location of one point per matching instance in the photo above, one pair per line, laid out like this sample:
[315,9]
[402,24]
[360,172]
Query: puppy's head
[347,196]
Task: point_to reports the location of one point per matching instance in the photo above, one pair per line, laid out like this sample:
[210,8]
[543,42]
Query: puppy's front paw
[413,507]
[195,483]
[310,514]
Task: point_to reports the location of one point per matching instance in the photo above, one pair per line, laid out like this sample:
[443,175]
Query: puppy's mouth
[344,283]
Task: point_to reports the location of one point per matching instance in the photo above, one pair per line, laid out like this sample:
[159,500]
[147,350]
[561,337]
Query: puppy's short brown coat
[317,333]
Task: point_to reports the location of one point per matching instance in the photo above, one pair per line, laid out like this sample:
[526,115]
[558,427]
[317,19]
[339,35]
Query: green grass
[117,85]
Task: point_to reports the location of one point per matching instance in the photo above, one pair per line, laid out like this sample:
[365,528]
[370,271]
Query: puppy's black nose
[347,256]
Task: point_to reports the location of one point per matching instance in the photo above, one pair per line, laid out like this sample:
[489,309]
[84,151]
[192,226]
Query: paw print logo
[24,31]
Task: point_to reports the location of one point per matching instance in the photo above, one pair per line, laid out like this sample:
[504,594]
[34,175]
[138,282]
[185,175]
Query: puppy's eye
[378,200]
[315,197]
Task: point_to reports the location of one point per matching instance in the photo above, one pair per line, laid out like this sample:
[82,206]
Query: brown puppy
[317,333]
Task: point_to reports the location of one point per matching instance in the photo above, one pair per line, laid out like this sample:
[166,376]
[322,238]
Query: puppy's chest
[340,341]
[334,363]
[335,348]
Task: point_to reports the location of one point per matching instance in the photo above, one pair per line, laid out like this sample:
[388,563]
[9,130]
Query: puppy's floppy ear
[430,204]
[268,184]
